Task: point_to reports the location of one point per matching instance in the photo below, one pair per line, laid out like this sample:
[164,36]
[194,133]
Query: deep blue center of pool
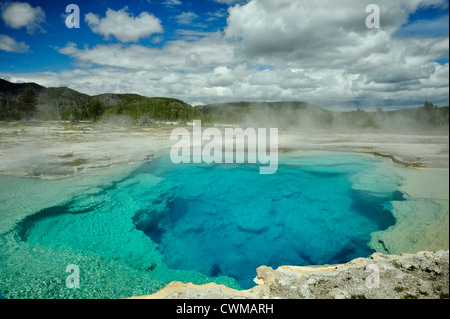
[229,220]
[175,222]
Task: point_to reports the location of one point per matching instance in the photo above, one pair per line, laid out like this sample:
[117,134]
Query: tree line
[146,111]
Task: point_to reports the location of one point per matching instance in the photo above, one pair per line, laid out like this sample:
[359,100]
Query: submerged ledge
[422,220]
[396,160]
[424,275]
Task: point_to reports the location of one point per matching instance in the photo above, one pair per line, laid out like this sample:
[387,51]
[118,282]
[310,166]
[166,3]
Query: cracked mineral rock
[407,276]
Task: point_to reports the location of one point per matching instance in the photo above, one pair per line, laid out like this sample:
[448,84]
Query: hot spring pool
[200,223]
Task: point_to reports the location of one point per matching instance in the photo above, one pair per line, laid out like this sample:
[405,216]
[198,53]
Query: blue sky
[226,50]
[44,56]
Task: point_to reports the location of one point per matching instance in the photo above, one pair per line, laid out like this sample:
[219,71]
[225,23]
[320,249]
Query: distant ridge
[233,106]
[62,103]
[12,89]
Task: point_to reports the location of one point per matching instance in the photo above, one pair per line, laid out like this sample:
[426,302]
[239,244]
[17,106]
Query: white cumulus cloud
[9,44]
[124,26]
[186,18]
[22,15]
[172,3]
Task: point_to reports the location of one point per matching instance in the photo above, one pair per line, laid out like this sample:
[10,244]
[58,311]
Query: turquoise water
[229,220]
[199,223]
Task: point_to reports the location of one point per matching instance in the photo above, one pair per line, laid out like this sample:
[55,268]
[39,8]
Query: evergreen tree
[428,106]
[95,109]
[27,102]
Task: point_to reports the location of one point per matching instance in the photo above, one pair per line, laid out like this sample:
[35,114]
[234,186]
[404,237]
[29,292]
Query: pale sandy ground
[52,150]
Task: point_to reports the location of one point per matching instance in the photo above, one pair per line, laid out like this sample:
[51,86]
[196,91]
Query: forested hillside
[29,100]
